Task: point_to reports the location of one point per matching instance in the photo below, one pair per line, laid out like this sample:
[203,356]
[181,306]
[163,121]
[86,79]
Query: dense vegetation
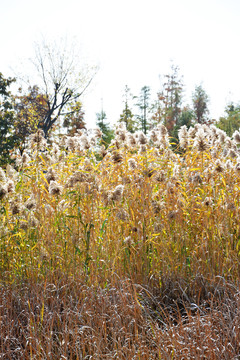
[129,252]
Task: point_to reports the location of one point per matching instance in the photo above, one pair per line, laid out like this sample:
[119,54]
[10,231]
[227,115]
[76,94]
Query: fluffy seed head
[162,129]
[2,175]
[154,136]
[200,142]
[232,153]
[236,136]
[30,203]
[132,163]
[10,186]
[142,139]
[183,137]
[16,207]
[122,215]
[54,188]
[98,133]
[142,149]
[219,166]
[117,193]
[160,176]
[207,201]
[25,158]
[38,139]
[3,190]
[131,140]
[116,157]
[51,175]
[71,143]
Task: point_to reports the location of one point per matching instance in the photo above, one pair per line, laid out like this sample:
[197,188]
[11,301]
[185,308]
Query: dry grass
[70,320]
[133,256]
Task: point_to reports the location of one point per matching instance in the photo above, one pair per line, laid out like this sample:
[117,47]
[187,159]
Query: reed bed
[129,252]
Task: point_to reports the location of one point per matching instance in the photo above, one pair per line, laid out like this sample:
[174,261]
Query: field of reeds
[130,252]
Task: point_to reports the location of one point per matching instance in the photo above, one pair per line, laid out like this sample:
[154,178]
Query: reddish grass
[167,319]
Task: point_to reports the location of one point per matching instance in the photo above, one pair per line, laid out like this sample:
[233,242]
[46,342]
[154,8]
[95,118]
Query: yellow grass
[142,213]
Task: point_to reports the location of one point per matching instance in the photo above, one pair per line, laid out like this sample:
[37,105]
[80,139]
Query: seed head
[85,142]
[219,166]
[16,207]
[236,136]
[222,136]
[71,143]
[117,193]
[33,221]
[196,178]
[25,158]
[116,157]
[38,139]
[30,203]
[77,177]
[51,175]
[103,151]
[208,201]
[54,188]
[237,166]
[11,172]
[160,176]
[183,137]
[128,241]
[122,215]
[157,207]
[162,129]
[3,190]
[149,172]
[142,139]
[131,140]
[172,214]
[142,149]
[10,186]
[2,175]
[154,136]
[200,142]
[98,133]
[132,164]
[232,153]
[229,165]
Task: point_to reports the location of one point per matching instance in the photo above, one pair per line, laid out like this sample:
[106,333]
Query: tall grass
[133,254]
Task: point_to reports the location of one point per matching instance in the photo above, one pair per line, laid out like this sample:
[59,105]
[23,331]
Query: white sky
[133,42]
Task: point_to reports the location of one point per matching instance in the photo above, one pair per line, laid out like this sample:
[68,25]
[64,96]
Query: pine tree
[7,117]
[200,105]
[127,116]
[104,126]
[143,105]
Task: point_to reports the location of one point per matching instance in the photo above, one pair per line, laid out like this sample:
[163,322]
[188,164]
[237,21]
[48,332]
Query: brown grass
[169,319]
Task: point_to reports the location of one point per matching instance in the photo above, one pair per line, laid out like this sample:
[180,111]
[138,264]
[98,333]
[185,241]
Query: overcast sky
[133,42]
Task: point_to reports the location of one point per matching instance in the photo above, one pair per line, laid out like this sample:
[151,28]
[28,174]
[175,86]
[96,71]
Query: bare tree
[61,78]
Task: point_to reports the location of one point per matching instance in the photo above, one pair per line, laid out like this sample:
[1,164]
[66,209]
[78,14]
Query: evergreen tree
[200,105]
[104,126]
[7,117]
[127,116]
[143,105]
